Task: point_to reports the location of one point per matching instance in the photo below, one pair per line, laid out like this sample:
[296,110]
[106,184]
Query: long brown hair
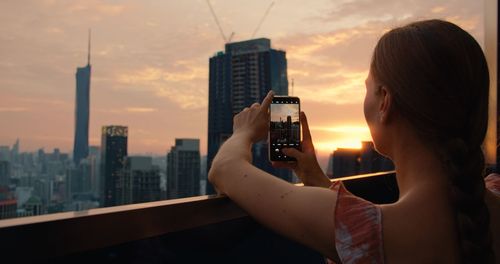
[438,77]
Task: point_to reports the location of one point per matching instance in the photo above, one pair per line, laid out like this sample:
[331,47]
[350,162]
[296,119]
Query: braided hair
[438,77]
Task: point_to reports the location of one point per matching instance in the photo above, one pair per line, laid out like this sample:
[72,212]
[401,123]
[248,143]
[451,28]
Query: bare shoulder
[419,229]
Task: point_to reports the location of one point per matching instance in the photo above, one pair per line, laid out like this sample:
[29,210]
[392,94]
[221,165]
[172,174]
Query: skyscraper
[239,77]
[14,156]
[113,153]
[183,169]
[4,173]
[346,162]
[94,159]
[82,104]
[139,181]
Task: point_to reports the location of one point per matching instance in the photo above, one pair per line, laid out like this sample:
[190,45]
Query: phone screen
[284,129]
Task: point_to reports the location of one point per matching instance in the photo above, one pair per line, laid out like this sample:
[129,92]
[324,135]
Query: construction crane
[262,19]
[221,31]
[226,40]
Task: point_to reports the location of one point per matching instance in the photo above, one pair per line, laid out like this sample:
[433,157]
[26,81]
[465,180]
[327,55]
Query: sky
[150,63]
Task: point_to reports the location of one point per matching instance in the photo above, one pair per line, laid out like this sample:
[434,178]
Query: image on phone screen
[284,129]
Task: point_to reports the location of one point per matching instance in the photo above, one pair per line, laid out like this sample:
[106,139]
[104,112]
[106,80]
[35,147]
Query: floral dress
[358,225]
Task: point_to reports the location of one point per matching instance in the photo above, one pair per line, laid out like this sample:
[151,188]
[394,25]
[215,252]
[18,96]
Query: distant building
[239,77]
[34,206]
[78,179]
[94,160]
[5,153]
[139,181]
[113,152]
[203,175]
[346,162]
[183,169]
[14,153]
[4,173]
[82,105]
[8,208]
[8,204]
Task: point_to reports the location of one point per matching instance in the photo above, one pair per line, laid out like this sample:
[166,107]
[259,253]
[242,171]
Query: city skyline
[151,73]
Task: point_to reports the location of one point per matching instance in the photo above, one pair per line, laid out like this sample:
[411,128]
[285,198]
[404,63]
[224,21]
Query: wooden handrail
[61,234]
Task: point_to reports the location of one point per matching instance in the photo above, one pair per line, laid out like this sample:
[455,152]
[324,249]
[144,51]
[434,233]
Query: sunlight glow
[343,129]
[329,146]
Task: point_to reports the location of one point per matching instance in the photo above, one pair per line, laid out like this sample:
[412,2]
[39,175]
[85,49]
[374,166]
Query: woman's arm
[304,214]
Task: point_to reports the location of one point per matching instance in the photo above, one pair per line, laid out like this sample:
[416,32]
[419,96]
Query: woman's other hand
[306,167]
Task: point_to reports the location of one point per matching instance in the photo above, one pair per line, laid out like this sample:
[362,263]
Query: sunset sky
[150,63]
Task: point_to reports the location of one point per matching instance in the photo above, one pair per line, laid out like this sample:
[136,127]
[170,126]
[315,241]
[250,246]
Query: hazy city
[135,109]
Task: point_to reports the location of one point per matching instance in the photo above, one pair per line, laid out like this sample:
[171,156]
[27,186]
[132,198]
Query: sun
[328,139]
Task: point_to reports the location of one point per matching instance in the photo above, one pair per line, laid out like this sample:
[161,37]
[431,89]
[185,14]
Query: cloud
[183,83]
[126,110]
[140,109]
[13,109]
[96,6]
[331,66]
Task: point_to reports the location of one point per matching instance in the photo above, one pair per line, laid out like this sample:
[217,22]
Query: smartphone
[284,129]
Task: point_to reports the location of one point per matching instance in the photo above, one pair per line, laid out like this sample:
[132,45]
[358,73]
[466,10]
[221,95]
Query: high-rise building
[8,203]
[5,153]
[78,178]
[14,153]
[34,206]
[94,159]
[346,162]
[183,169]
[239,77]
[4,173]
[139,181]
[372,161]
[113,153]
[82,105]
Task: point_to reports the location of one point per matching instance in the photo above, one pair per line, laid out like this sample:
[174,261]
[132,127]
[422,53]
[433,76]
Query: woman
[426,105]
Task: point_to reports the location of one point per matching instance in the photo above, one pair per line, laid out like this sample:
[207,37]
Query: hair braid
[466,166]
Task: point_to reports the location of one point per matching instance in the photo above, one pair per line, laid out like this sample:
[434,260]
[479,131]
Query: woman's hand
[249,126]
[253,122]
[306,167]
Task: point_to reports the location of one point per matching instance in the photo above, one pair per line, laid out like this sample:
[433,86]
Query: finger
[291,152]
[267,101]
[255,105]
[285,165]
[306,133]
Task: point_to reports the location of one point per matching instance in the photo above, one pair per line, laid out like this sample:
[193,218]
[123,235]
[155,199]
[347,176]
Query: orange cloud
[140,109]
[97,6]
[13,109]
[184,83]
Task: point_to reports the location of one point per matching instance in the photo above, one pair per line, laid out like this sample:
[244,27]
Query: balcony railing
[203,229]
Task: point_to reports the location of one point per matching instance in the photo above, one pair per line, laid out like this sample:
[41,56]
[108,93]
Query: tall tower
[82,105]
[113,153]
[183,169]
[239,77]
